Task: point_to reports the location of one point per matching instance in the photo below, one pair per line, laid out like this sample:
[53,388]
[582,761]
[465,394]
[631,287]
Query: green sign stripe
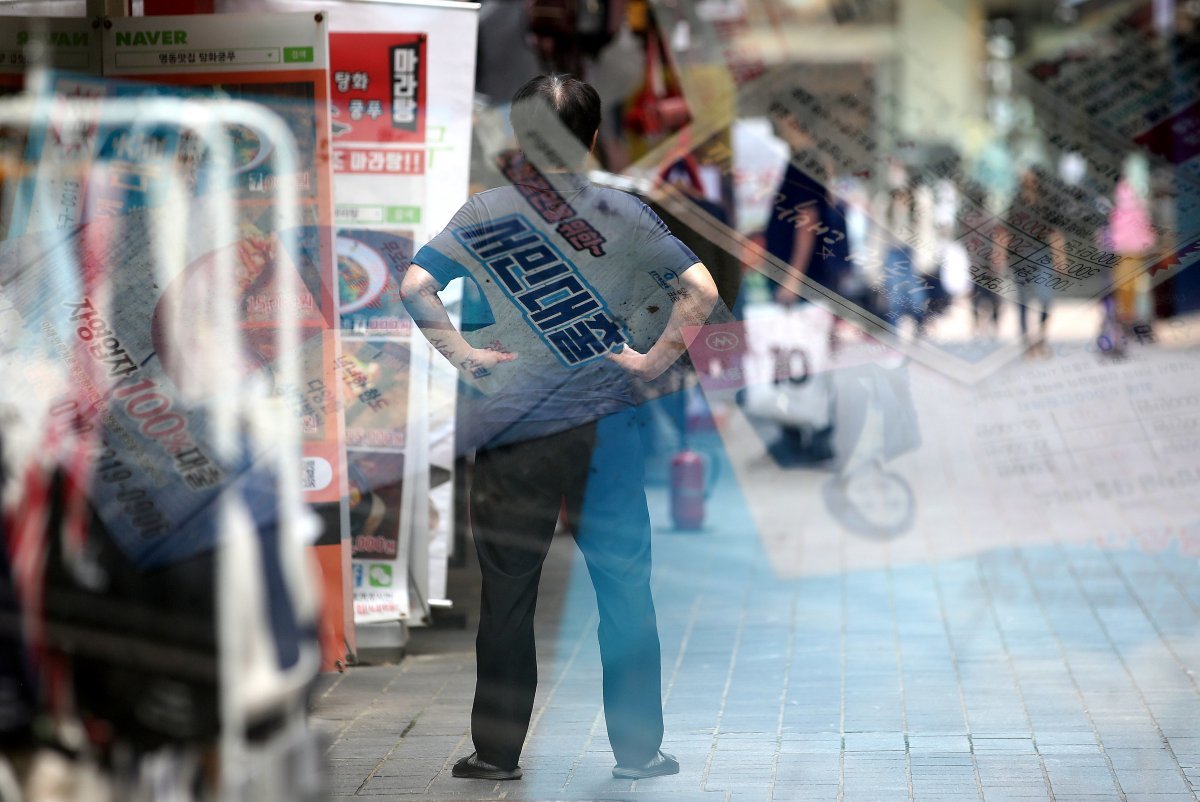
[297,54]
[368,213]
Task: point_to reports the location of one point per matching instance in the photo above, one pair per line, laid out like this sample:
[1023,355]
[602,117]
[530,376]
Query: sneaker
[786,455]
[471,766]
[660,765]
[820,447]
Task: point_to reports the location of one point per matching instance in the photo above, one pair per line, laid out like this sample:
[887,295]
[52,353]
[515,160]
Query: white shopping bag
[956,270]
[786,364]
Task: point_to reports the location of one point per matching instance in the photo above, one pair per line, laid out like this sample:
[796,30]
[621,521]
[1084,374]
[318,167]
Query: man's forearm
[420,296]
[690,311]
[694,302]
[430,315]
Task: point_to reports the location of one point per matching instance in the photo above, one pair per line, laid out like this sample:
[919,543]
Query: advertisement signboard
[401,90]
[278,62]
[65,43]
[401,136]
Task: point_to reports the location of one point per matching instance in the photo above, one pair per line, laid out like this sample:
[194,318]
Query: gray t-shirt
[558,271]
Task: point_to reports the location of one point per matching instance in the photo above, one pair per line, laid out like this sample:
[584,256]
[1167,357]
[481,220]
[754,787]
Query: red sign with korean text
[377,88]
[379,160]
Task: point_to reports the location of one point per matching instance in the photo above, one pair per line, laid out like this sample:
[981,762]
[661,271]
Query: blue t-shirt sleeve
[663,250]
[433,259]
[443,257]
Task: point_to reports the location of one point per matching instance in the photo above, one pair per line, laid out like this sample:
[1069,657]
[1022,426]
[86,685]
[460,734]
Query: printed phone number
[153,411]
[141,510]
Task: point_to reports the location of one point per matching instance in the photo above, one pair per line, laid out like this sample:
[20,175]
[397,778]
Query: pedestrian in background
[1027,219]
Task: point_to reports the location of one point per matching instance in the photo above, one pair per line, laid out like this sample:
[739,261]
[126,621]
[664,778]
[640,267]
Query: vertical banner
[401,90]
[278,61]
[378,106]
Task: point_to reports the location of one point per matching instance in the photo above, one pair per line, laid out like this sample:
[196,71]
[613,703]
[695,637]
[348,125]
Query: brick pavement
[963,661]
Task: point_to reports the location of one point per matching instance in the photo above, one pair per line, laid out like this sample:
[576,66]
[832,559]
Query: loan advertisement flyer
[1079,450]
[279,62]
[111,196]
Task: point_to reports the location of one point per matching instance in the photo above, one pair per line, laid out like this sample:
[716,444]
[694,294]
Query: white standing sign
[401,101]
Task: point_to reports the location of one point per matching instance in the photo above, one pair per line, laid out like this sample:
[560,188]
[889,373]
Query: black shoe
[471,766]
[820,449]
[787,455]
[660,765]
[784,454]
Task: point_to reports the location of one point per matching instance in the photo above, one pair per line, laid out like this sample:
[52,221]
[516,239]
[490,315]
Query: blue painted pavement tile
[1067,750]
[1187,743]
[1049,738]
[1152,781]
[964,778]
[1024,794]
[874,741]
[874,792]
[1141,759]
[1096,780]
[805,793]
[809,747]
[981,743]
[819,774]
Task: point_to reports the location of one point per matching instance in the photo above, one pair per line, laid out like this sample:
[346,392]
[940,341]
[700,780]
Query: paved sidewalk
[969,659]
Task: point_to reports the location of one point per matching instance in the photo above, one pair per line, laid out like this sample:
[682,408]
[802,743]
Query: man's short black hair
[564,99]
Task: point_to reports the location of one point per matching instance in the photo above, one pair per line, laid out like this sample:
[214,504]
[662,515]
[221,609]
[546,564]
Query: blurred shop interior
[205,222]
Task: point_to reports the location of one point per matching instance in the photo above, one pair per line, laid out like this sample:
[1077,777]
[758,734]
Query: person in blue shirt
[573,294]
[807,232]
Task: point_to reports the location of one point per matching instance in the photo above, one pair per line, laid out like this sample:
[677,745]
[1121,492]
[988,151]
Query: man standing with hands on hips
[572,294]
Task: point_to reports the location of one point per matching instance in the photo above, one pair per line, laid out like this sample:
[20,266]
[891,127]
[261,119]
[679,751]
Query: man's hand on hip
[635,363]
[479,362]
